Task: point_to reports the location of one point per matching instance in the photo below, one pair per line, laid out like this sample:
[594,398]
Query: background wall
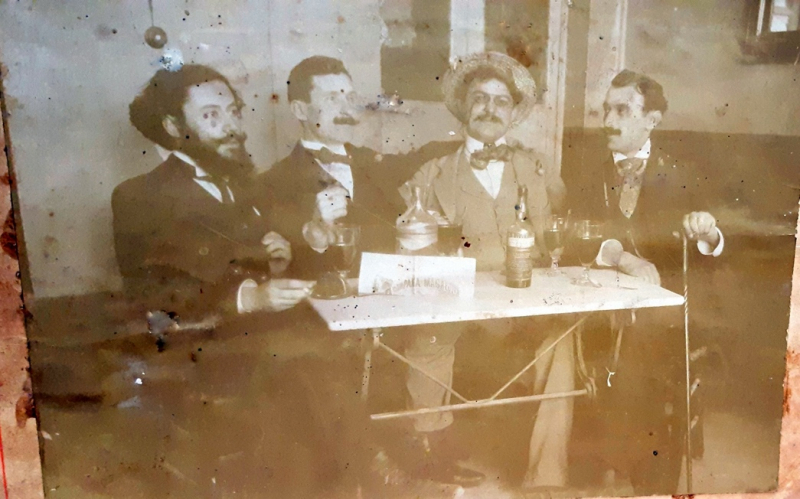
[691,47]
[73,67]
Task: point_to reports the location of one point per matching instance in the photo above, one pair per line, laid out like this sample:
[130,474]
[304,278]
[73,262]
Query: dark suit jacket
[671,188]
[288,190]
[176,245]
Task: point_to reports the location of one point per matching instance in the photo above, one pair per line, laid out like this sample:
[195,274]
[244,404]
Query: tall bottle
[417,230]
[519,245]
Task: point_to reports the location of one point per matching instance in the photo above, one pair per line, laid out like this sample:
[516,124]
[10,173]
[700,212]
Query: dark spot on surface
[467,245]
[25,408]
[161,345]
[192,357]
[5,179]
[8,239]
[655,452]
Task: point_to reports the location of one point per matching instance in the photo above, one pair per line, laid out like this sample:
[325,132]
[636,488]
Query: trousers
[433,349]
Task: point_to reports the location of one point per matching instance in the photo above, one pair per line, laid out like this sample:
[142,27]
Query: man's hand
[331,204]
[701,226]
[276,295]
[279,252]
[638,267]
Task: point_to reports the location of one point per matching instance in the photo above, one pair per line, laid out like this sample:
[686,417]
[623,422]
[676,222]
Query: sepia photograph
[513,249]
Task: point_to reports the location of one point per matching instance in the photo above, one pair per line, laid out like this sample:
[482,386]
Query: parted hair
[651,90]
[165,94]
[301,78]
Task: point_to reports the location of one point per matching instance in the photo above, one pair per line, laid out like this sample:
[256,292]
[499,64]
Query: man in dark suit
[646,199]
[327,181]
[189,243]
[185,234]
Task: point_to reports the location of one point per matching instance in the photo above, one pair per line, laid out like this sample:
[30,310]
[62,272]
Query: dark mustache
[491,118]
[345,120]
[611,131]
[235,138]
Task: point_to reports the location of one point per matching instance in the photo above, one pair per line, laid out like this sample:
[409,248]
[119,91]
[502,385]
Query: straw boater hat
[516,72]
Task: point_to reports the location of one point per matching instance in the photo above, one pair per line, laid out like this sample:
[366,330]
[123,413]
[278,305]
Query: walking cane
[688,376]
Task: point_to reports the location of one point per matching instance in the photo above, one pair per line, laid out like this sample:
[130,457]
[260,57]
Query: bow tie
[490,152]
[326,157]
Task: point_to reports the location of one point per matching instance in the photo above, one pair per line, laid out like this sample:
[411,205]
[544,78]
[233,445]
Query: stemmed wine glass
[588,239]
[339,260]
[554,235]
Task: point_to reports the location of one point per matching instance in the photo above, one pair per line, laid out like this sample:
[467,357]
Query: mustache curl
[345,120]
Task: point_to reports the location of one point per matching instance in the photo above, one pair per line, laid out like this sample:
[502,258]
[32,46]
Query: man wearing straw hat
[489,93]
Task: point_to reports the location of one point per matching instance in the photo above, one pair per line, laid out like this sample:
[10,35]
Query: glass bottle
[519,245]
[417,229]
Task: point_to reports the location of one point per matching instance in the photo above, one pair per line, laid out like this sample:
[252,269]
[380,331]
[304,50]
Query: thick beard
[216,165]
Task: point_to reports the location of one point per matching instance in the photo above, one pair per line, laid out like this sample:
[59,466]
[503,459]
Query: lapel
[309,175]
[509,185]
[176,180]
[446,183]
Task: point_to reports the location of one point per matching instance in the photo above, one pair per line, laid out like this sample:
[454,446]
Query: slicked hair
[301,78]
[165,94]
[650,89]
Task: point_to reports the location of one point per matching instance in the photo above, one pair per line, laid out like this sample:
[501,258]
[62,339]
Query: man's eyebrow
[210,106]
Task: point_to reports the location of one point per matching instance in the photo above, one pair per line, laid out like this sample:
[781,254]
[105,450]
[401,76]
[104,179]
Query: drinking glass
[338,260]
[588,236]
[451,233]
[554,234]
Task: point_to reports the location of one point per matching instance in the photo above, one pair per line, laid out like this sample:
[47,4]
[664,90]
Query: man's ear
[170,124]
[515,115]
[299,109]
[654,119]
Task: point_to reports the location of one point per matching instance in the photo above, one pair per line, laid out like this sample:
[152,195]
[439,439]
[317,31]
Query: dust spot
[275,98]
[340,20]
[103,32]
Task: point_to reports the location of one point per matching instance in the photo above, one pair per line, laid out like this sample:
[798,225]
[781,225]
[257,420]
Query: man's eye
[479,98]
[214,114]
[205,116]
[503,102]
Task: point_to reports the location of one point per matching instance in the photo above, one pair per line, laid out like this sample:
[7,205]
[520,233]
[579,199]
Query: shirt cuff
[604,262]
[241,307]
[706,249]
[307,227]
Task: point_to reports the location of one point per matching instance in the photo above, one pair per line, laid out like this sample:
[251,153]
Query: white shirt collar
[476,145]
[643,153]
[313,145]
[186,159]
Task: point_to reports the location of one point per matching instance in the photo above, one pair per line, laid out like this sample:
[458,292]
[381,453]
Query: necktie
[631,171]
[490,152]
[327,157]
